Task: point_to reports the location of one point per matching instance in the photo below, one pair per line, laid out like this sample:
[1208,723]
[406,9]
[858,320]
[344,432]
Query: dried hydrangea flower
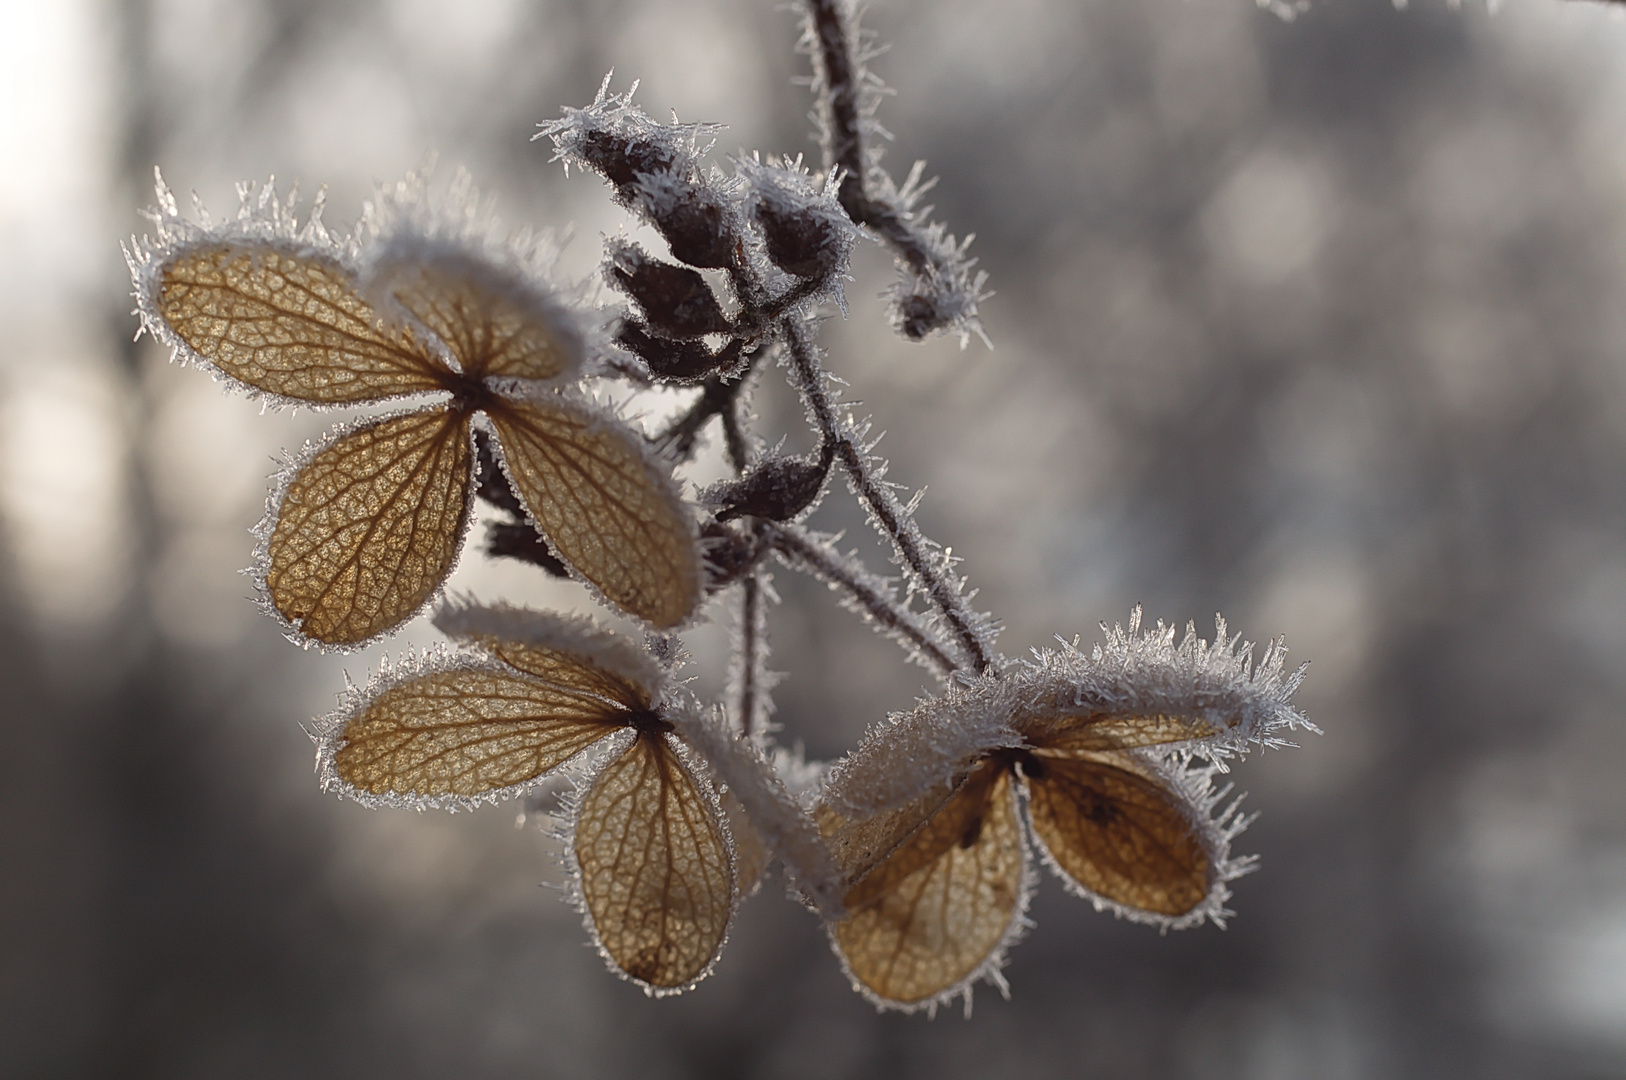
[652,861]
[928,819]
[366,526]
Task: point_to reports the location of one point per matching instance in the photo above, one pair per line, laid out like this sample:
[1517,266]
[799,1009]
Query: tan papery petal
[751,852]
[570,672]
[936,910]
[493,325]
[290,324]
[858,845]
[604,506]
[1097,732]
[368,529]
[1115,829]
[466,732]
[657,877]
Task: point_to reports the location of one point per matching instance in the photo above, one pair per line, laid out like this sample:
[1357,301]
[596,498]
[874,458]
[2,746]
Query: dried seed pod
[728,554]
[801,241]
[670,360]
[622,159]
[676,300]
[917,316]
[694,223]
[778,490]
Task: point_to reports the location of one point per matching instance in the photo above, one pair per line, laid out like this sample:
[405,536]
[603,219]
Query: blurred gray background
[1319,324]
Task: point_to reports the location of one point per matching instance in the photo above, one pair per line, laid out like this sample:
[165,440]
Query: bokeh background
[1318,323]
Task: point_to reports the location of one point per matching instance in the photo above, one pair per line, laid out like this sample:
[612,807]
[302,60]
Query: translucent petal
[858,845]
[936,911]
[1097,732]
[465,732]
[657,877]
[368,529]
[751,853]
[571,651]
[290,324]
[492,323]
[604,504]
[571,672]
[1117,831]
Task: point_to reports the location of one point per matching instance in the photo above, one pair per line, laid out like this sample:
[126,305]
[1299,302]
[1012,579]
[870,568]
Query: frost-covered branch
[933,571]
[870,596]
[940,290]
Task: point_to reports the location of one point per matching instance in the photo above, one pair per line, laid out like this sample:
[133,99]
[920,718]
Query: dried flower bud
[728,553]
[676,300]
[805,231]
[676,361]
[799,241]
[621,159]
[917,316]
[778,490]
[516,540]
[692,221]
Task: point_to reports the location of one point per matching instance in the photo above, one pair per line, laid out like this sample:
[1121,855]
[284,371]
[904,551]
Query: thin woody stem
[750,647]
[833,53]
[891,514]
[734,441]
[803,553]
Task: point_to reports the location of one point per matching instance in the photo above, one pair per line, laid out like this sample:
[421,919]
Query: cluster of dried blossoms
[916,848]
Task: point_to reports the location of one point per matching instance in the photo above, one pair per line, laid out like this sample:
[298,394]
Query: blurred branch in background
[1315,323]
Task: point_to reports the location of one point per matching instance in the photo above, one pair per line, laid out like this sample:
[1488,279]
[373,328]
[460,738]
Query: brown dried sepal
[935,909]
[494,325]
[290,324]
[602,504]
[467,733]
[1114,828]
[369,528]
[657,877]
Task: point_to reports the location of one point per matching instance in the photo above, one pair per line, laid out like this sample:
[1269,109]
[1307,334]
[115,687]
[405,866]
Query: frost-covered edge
[580,634]
[1139,671]
[941,737]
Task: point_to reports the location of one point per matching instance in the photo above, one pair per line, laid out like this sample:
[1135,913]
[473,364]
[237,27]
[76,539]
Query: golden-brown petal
[465,732]
[1116,829]
[1094,732]
[657,876]
[931,914]
[290,324]
[751,853]
[492,324]
[368,529]
[570,671]
[857,845]
[571,652]
[608,509]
